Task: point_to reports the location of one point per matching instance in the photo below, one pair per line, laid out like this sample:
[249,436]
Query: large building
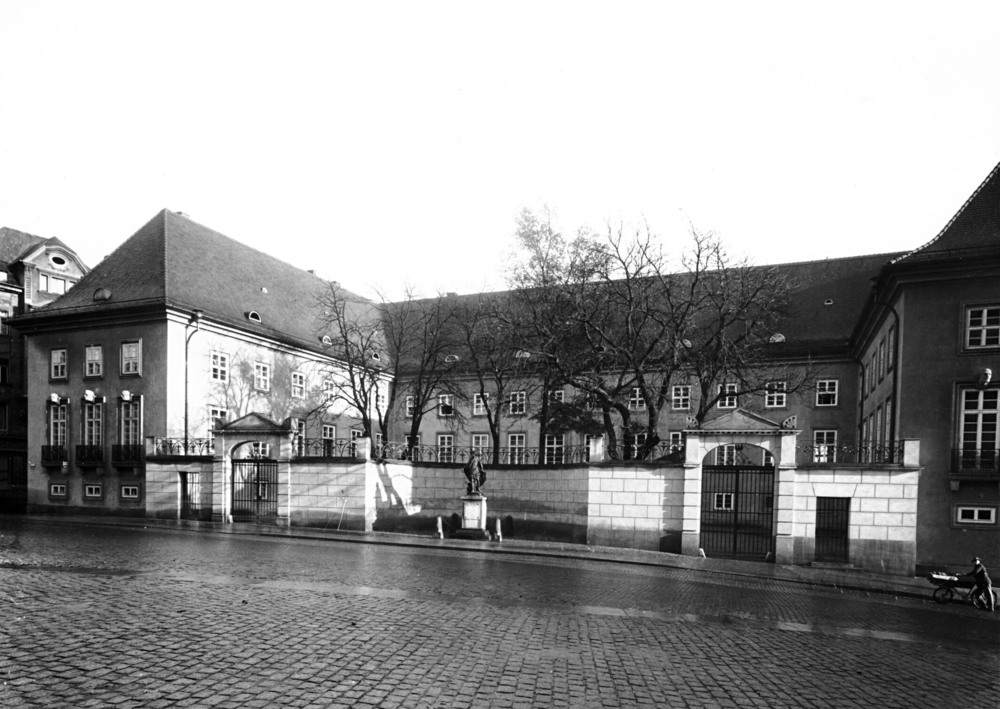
[34,271]
[887,460]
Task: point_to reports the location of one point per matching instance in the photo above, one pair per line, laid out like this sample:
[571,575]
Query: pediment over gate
[740,421]
[255,423]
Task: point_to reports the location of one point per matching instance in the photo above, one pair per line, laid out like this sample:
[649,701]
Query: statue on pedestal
[475,473]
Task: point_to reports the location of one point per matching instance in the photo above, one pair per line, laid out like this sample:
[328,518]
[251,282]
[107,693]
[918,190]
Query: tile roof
[14,243]
[975,226]
[176,262]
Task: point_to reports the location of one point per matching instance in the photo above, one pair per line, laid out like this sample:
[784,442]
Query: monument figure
[475,473]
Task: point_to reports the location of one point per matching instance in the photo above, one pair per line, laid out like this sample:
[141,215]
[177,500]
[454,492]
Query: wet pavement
[108,613]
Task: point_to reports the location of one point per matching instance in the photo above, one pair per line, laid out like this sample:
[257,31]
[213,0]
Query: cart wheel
[943,594]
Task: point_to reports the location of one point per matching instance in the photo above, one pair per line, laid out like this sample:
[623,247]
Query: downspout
[196,319]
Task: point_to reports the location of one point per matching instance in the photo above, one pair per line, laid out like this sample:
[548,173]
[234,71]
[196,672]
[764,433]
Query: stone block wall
[163,492]
[636,507]
[882,525]
[331,495]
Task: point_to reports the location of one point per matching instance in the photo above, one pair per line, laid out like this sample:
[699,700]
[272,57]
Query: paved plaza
[97,616]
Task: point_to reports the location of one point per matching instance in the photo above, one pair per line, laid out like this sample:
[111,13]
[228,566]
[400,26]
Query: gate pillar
[691,529]
[784,506]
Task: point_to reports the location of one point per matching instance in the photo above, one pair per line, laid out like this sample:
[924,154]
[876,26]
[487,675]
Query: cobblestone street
[102,617]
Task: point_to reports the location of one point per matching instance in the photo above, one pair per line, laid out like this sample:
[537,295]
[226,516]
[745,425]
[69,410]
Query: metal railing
[663,452]
[559,455]
[853,454]
[54,454]
[323,448]
[126,453]
[975,460]
[89,454]
[180,446]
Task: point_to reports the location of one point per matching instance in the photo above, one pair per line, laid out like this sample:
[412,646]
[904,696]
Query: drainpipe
[196,320]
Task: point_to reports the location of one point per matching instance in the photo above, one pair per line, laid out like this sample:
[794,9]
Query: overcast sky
[380,143]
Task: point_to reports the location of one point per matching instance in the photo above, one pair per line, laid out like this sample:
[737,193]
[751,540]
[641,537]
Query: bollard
[499,536]
[440,532]
[701,553]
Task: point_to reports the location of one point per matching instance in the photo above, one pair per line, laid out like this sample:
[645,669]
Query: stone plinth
[473,518]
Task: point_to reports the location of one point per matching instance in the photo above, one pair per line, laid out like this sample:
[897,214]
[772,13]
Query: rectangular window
[57,489]
[557,395]
[57,285]
[871,369]
[4,417]
[132,357]
[57,425]
[827,392]
[723,501]
[259,449]
[982,327]
[887,432]
[131,424]
[43,282]
[975,515]
[587,440]
[727,396]
[680,398]
[409,407]
[129,492]
[220,367]
[676,441]
[480,443]
[298,436]
[636,402]
[768,459]
[92,492]
[634,445]
[881,359]
[517,402]
[381,396]
[298,385]
[4,314]
[516,444]
[824,446]
[261,376]
[216,418]
[890,348]
[93,422]
[868,379]
[479,404]
[776,396]
[329,432]
[726,454]
[978,430]
[554,448]
[446,448]
[445,407]
[94,365]
[57,370]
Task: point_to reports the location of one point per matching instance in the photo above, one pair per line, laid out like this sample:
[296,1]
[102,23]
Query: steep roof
[975,227]
[14,243]
[175,262]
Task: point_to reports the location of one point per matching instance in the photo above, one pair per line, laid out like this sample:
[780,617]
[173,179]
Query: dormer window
[102,294]
[253,316]
[58,261]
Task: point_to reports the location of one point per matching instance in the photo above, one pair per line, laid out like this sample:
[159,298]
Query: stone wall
[331,495]
[163,486]
[636,507]
[882,526]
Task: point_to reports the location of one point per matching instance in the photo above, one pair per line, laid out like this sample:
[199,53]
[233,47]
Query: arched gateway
[739,488]
[254,450]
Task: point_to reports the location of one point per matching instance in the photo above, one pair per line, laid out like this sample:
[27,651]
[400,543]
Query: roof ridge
[951,221]
[163,255]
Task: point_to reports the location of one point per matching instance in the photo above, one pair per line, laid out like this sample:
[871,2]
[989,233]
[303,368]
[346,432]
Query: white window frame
[981,418]
[555,448]
[728,398]
[557,395]
[43,282]
[480,443]
[93,491]
[261,376]
[987,330]
[446,405]
[825,445]
[517,445]
[517,403]
[827,392]
[58,363]
[479,404]
[58,490]
[58,425]
[978,512]
[726,454]
[93,423]
[130,422]
[776,395]
[129,492]
[260,449]
[409,406]
[680,397]
[446,448]
[298,385]
[723,502]
[220,366]
[636,401]
[328,432]
[131,364]
[93,365]
[676,441]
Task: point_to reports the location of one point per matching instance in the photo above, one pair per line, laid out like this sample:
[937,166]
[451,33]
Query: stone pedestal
[473,518]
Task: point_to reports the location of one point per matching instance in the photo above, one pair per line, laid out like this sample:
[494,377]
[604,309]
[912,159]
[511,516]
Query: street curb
[842,580]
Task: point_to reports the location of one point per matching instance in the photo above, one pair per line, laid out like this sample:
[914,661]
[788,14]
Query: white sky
[380,143]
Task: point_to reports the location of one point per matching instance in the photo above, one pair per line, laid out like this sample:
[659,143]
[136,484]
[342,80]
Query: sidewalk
[841,578]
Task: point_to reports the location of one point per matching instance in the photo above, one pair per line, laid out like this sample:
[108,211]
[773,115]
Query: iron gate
[255,490]
[13,483]
[832,515]
[737,512]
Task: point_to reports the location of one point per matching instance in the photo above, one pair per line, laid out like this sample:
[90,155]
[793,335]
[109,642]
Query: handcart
[949,586]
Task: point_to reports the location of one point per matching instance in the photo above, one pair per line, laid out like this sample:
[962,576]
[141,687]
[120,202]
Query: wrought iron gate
[255,490]
[832,515]
[13,483]
[737,512]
